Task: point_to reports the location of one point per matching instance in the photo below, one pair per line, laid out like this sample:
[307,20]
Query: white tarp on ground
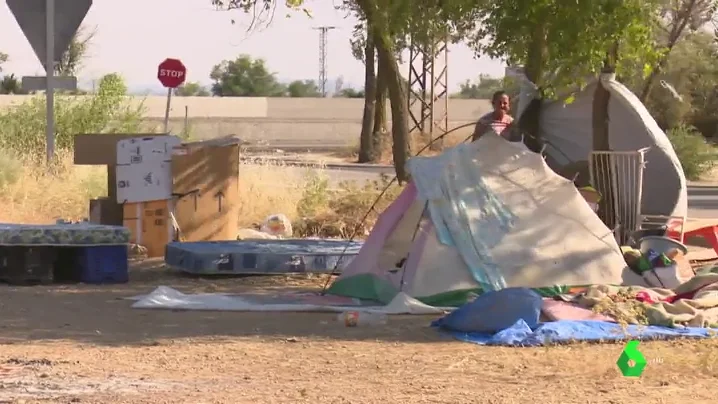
[167,298]
[568,129]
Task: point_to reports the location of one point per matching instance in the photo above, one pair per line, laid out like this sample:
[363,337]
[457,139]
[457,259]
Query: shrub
[22,127]
[697,156]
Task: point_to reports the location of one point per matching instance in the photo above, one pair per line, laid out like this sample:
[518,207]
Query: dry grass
[31,194]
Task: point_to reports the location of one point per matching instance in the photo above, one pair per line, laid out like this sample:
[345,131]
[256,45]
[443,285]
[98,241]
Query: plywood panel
[100,148]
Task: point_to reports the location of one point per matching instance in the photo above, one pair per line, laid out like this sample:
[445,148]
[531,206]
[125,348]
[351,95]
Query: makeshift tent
[567,130]
[478,217]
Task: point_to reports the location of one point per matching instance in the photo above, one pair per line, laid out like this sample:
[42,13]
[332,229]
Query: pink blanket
[559,310]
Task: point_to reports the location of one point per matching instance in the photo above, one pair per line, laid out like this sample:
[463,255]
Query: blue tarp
[564,331]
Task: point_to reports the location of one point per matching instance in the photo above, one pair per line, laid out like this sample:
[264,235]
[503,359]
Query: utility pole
[323,31]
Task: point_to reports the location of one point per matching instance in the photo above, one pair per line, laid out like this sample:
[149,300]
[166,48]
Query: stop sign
[171,73]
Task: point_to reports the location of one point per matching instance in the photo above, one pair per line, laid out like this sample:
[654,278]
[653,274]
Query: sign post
[49,28]
[50,73]
[171,73]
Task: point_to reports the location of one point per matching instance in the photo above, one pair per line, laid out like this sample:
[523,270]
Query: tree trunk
[379,140]
[534,70]
[378,20]
[602,168]
[399,107]
[366,147]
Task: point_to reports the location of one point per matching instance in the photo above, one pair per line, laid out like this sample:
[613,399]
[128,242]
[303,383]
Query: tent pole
[413,239]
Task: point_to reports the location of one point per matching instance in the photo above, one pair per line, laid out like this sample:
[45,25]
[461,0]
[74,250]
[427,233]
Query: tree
[350,93]
[3,59]
[303,89]
[10,85]
[245,77]
[389,21]
[485,87]
[676,17]
[72,59]
[192,89]
[688,94]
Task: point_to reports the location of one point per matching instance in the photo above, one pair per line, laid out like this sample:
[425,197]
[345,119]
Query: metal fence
[618,176]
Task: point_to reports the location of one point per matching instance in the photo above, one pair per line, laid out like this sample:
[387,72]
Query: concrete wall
[284,121]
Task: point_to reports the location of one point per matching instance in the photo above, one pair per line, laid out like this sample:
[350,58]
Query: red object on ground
[708,233]
[673,229]
[171,73]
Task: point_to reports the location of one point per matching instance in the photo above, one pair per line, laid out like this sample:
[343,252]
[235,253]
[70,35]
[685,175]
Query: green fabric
[370,287]
[365,287]
[454,298]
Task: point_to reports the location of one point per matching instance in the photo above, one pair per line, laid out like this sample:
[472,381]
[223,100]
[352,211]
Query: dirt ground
[84,344]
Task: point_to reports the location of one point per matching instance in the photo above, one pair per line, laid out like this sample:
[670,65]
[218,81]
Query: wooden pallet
[27,265]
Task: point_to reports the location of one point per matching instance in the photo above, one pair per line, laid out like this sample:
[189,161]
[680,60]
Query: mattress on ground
[77,234]
[261,256]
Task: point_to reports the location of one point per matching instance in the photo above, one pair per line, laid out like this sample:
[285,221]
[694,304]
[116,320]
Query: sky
[134,36]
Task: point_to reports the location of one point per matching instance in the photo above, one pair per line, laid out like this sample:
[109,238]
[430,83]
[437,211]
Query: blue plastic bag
[495,311]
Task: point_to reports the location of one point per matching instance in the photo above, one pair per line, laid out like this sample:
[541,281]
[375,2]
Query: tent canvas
[436,241]
[568,132]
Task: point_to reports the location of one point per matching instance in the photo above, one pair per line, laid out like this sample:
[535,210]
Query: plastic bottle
[362,319]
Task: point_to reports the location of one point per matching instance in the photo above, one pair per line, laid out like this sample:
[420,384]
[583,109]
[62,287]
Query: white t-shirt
[498,125]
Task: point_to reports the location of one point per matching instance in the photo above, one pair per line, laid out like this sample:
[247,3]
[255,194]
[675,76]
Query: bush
[22,128]
[696,155]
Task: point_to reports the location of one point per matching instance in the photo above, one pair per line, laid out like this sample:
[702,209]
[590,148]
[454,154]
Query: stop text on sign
[176,74]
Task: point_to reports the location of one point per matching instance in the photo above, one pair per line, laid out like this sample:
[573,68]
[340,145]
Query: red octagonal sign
[171,73]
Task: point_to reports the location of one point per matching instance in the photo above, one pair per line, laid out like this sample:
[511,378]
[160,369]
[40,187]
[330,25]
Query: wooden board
[206,177]
[100,148]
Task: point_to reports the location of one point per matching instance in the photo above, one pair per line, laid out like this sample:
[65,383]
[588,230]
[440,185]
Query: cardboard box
[150,225]
[206,189]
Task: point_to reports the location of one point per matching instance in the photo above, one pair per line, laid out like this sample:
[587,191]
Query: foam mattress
[76,234]
[261,256]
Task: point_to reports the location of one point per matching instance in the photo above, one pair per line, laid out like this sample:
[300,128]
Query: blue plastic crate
[103,264]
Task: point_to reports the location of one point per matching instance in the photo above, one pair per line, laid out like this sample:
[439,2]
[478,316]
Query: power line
[323,31]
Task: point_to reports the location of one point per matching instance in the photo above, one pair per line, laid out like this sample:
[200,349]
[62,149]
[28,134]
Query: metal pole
[167,110]
[50,72]
[186,120]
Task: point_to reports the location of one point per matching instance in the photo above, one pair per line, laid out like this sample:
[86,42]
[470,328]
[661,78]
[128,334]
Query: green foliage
[485,87]
[22,127]
[245,77]
[575,39]
[191,89]
[10,85]
[691,70]
[347,211]
[695,154]
[350,93]
[315,195]
[3,59]
[71,61]
[303,88]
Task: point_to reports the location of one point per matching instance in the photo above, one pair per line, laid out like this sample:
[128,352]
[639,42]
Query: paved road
[702,200]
